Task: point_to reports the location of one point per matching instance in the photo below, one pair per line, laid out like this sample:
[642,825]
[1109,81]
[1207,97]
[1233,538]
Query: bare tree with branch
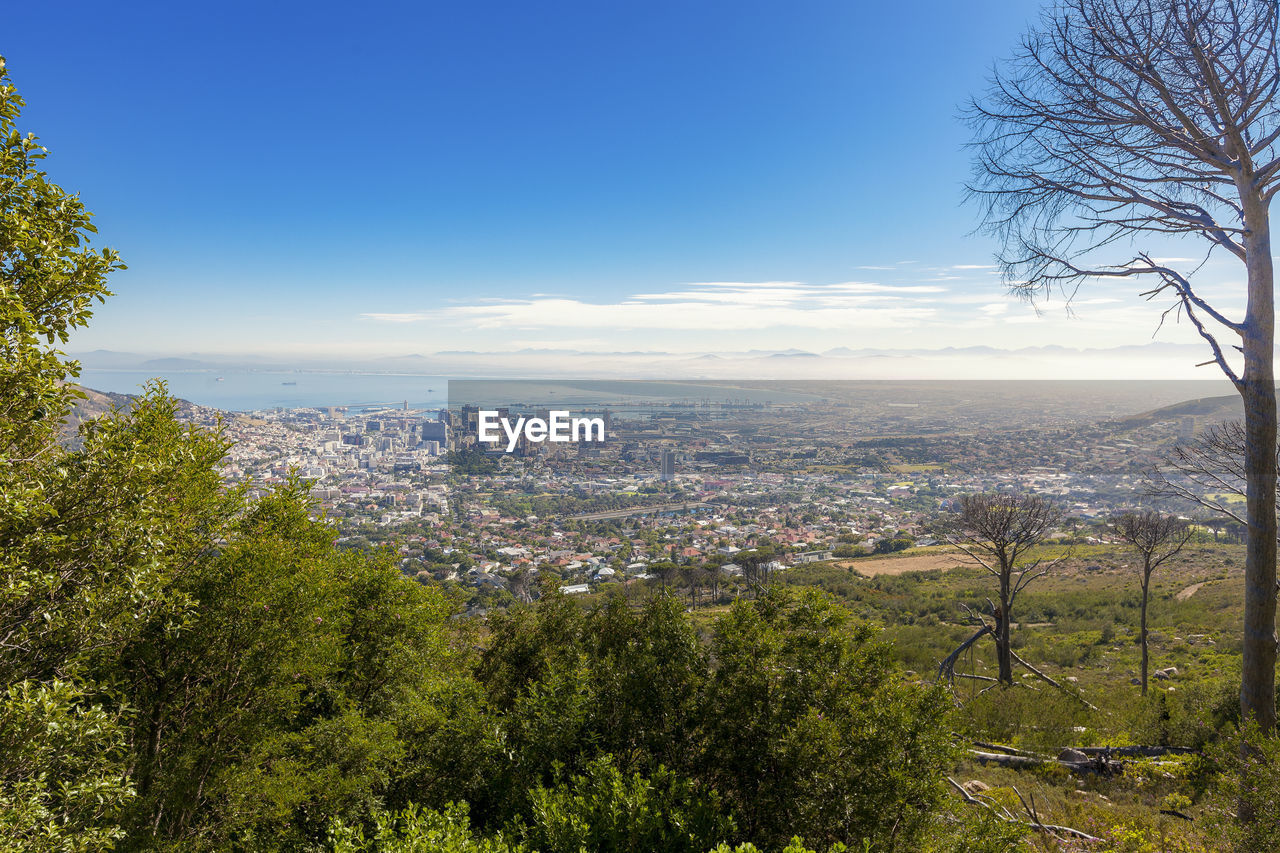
[997,531]
[1157,538]
[1119,121]
[1208,471]
[521,584]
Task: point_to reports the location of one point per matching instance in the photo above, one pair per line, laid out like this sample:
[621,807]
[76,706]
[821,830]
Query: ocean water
[249,390]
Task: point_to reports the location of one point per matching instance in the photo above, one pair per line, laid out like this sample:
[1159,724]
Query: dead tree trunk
[1142,634]
[996,531]
[947,669]
[1156,538]
[1257,387]
[1100,765]
[1004,648]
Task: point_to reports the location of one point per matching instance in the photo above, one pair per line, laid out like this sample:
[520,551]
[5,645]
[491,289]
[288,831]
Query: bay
[252,390]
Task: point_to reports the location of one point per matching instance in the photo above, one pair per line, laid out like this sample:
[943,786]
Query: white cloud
[689,315]
[910,310]
[868,287]
[701,306]
[408,317]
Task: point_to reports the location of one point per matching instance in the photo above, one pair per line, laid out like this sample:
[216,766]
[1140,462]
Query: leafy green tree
[572,685]
[892,546]
[755,565]
[48,280]
[667,572]
[648,670]
[417,831]
[606,811]
[809,728]
[62,777]
[286,696]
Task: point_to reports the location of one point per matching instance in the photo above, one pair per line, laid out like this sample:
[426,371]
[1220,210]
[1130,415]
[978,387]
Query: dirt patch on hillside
[901,565]
[1184,594]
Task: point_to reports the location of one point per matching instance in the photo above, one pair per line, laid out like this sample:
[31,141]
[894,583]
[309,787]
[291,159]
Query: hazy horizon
[1157,361]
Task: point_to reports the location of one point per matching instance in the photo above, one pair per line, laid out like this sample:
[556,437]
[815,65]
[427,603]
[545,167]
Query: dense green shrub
[605,811]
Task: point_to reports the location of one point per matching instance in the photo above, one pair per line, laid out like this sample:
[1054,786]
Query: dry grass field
[897,565]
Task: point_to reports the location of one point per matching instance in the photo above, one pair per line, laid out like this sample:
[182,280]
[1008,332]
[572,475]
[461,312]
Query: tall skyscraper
[668,471]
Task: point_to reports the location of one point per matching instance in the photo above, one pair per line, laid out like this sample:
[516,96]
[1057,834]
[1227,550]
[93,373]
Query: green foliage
[280,701]
[793,713]
[60,783]
[810,729]
[795,845]
[960,828]
[1194,716]
[556,505]
[1249,785]
[417,831]
[138,502]
[1025,715]
[62,778]
[606,811]
[633,696]
[49,280]
[891,546]
[471,461]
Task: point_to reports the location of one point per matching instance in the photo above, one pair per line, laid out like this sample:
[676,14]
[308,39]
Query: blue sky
[387,178]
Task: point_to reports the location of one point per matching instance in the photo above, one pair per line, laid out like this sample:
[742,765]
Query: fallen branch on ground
[1099,764]
[1073,694]
[1139,751]
[1035,822]
[1008,750]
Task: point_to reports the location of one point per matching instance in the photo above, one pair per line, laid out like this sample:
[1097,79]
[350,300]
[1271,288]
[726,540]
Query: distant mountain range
[1154,360]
